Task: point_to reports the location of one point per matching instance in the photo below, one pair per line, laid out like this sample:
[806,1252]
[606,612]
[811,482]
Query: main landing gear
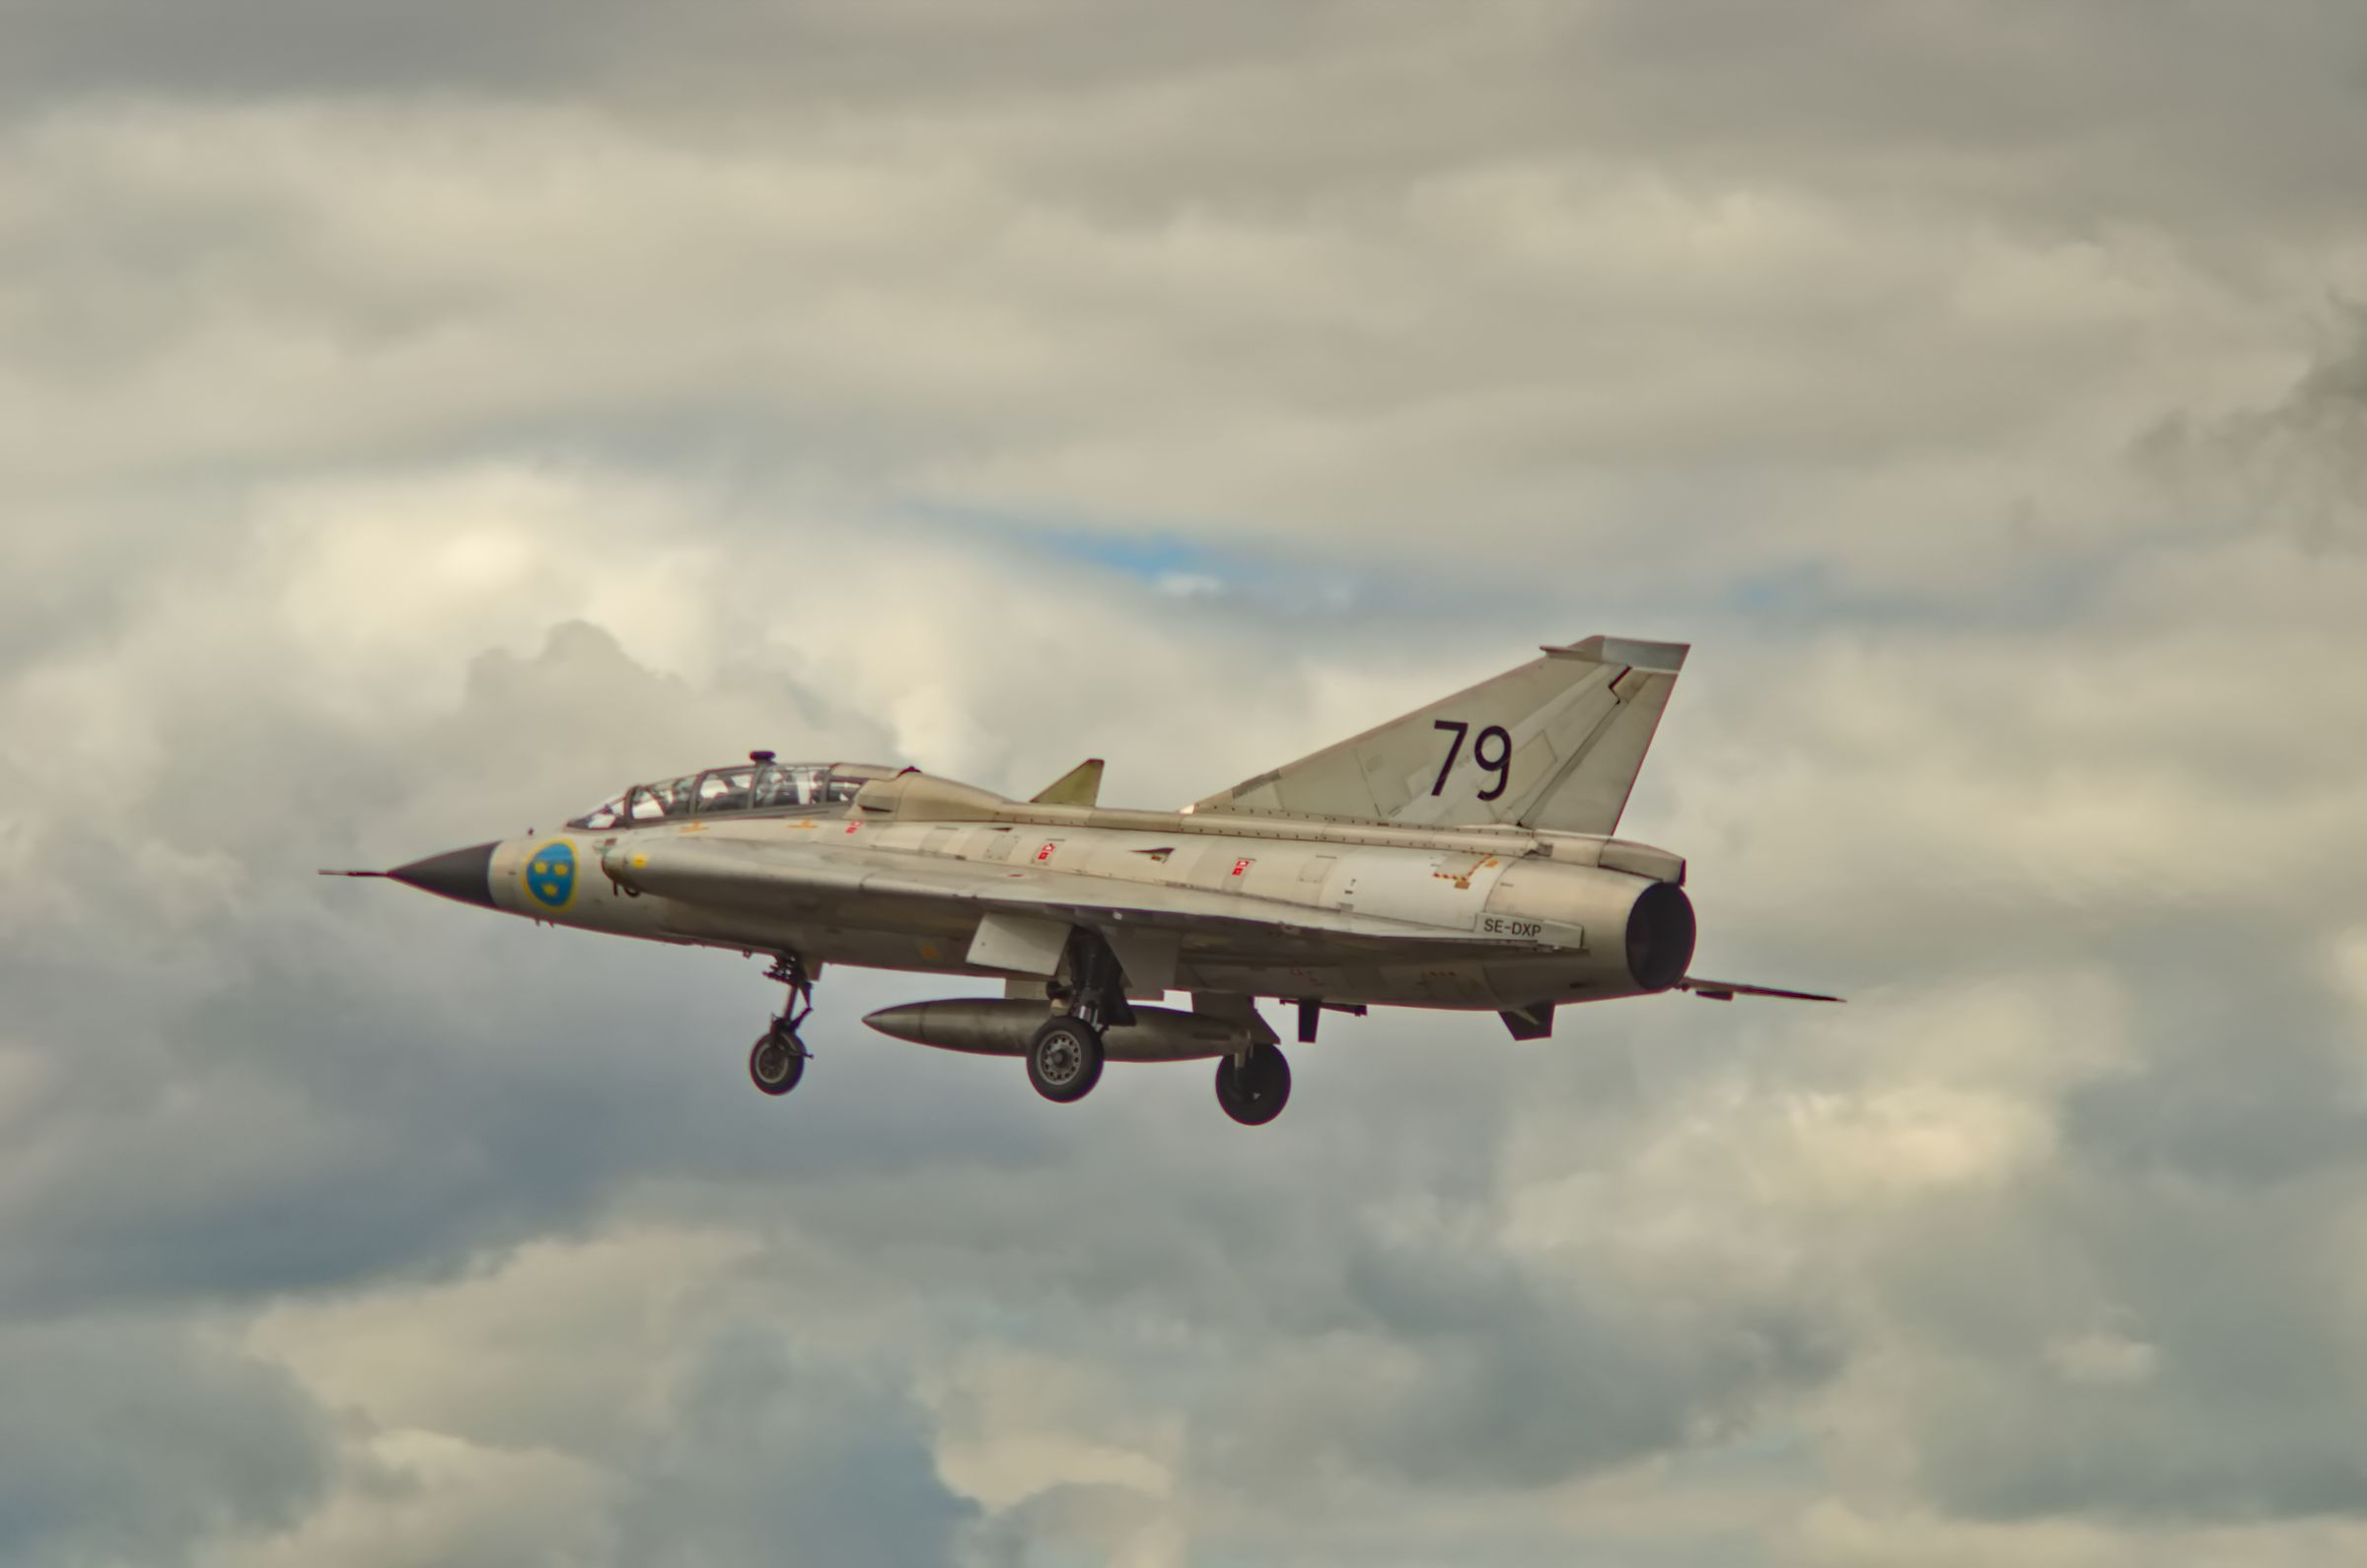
[1067,1051]
[778,1058]
[1064,1062]
[1253,1085]
[1064,1059]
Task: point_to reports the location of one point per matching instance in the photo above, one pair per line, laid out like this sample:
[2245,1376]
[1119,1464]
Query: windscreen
[723,791]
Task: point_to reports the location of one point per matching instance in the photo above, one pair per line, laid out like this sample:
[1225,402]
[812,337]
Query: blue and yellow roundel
[551,875]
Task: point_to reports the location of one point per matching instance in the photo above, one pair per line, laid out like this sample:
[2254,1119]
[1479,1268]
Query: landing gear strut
[1064,1059]
[778,1058]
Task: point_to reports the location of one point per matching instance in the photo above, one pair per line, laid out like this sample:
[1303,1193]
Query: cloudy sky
[417,421]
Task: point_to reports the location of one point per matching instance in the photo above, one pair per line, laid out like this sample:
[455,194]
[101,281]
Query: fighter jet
[1460,857]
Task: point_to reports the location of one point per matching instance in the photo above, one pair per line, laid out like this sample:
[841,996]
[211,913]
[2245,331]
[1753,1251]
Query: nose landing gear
[778,1059]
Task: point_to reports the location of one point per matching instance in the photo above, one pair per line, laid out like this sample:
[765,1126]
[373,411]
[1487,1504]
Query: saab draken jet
[1460,857]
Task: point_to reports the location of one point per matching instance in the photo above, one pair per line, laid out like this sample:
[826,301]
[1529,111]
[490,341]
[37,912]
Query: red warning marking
[851,826]
[1242,866]
[1044,854]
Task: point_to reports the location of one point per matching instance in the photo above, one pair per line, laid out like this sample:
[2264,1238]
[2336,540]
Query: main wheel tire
[776,1061]
[1064,1059]
[1254,1094]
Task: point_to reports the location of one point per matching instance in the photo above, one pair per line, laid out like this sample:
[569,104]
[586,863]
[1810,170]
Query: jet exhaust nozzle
[991,1028]
[1660,936]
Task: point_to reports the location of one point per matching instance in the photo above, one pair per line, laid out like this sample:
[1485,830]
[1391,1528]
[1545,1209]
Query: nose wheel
[778,1058]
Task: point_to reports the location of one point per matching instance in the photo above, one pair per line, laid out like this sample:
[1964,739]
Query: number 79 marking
[1500,765]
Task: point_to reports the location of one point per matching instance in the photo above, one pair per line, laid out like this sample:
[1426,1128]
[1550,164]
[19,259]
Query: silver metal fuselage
[1520,918]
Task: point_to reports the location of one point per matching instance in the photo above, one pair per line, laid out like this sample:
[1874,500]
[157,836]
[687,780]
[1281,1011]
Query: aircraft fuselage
[1542,918]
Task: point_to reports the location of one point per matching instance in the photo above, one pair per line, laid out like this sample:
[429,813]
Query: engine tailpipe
[1660,936]
[1003,1027]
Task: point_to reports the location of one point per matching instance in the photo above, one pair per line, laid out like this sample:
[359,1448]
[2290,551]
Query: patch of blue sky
[1175,559]
[1775,1451]
[1632,597]
[2049,589]
[1152,555]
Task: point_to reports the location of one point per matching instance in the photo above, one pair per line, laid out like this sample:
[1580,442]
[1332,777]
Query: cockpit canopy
[757,785]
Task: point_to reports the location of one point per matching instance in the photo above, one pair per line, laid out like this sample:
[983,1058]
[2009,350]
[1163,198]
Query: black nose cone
[463,874]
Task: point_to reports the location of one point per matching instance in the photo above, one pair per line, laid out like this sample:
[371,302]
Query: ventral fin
[1079,786]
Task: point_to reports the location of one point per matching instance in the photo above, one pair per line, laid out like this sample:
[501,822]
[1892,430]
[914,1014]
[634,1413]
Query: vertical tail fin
[1555,743]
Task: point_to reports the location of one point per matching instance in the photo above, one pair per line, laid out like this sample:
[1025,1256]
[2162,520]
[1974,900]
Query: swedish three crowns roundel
[551,875]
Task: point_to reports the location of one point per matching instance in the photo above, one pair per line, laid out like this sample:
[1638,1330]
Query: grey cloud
[261,45]
[2298,465]
[782,54]
[2149,1329]
[125,1440]
[1143,241]
[764,1456]
[2072,114]
[1528,1382]
[2232,1408]
[2228,1095]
